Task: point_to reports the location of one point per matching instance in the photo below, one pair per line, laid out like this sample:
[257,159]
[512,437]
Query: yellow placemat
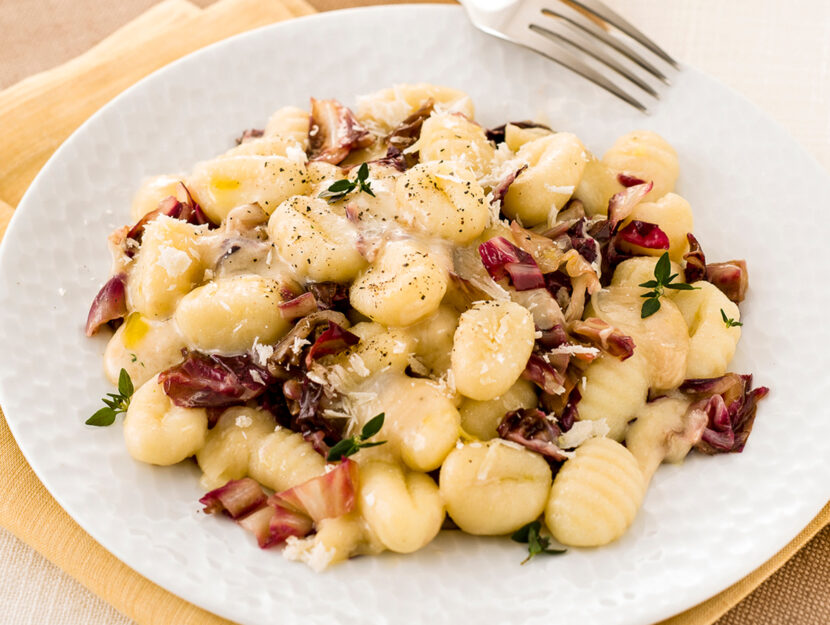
[37,115]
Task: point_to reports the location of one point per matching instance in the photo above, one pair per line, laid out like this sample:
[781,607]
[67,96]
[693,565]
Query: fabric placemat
[37,115]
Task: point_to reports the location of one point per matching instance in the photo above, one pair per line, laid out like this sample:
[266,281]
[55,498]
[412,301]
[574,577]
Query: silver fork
[575,34]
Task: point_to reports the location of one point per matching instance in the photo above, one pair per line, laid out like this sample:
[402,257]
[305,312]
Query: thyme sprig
[536,543]
[730,323]
[352,445]
[115,403]
[662,280]
[341,188]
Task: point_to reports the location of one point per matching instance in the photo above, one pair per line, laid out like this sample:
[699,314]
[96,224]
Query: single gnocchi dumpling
[443,199]
[226,454]
[494,488]
[166,267]
[516,136]
[673,215]
[453,137]
[320,243]
[661,339]
[491,347]
[157,431]
[596,188]
[404,509]
[595,495]
[387,108]
[661,432]
[290,122]
[283,459]
[421,422]
[228,314]
[151,192]
[647,156]
[555,166]
[404,284]
[614,390]
[712,343]
[143,348]
[337,539]
[224,183]
[380,349]
[432,339]
[481,418]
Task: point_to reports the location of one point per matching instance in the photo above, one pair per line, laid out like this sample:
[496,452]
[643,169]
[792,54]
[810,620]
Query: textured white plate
[755,193]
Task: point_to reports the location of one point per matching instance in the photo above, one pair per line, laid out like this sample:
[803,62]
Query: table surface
[775,53]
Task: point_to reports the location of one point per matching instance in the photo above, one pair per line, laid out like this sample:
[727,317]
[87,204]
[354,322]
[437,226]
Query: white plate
[756,195]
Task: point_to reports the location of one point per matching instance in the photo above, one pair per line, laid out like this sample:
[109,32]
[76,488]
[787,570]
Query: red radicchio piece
[604,336]
[409,130]
[204,380]
[330,295]
[730,404]
[570,414]
[695,268]
[334,339]
[334,131]
[249,134]
[627,180]
[273,524]
[500,190]
[259,524]
[544,375]
[496,135]
[237,498]
[110,304]
[327,496]
[397,159]
[183,207]
[622,204]
[300,306]
[730,277]
[553,338]
[501,258]
[582,242]
[532,429]
[642,234]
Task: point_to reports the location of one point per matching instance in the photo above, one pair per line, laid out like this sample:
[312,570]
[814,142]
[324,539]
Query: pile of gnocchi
[370,325]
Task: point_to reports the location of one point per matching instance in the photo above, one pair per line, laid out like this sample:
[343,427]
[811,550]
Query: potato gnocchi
[366,326]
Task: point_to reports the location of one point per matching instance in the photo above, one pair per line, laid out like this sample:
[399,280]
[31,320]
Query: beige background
[776,53]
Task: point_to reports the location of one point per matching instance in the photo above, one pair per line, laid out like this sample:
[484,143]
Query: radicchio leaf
[182,206]
[544,375]
[334,132]
[604,336]
[501,258]
[532,429]
[730,404]
[236,498]
[496,135]
[730,277]
[621,204]
[582,241]
[695,268]
[639,235]
[570,414]
[324,497]
[300,306]
[500,190]
[273,524]
[409,130]
[330,295]
[627,180]
[110,304]
[204,380]
[553,337]
[333,340]
[287,356]
[248,135]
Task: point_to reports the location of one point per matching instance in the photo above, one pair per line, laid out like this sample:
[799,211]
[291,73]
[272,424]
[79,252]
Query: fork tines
[580,34]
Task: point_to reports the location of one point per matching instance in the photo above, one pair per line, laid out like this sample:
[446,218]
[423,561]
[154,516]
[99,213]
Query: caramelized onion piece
[604,336]
[730,277]
[110,304]
[695,268]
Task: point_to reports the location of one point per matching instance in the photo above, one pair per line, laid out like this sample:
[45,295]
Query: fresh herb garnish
[117,402]
[662,280]
[341,188]
[536,543]
[730,323]
[349,446]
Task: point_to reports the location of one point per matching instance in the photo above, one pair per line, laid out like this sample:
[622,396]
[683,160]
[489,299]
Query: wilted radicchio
[533,430]
[248,135]
[208,380]
[334,132]
[409,130]
[730,277]
[502,259]
[622,204]
[286,361]
[582,241]
[324,497]
[109,305]
[604,336]
[500,190]
[695,261]
[299,306]
[730,404]
[236,498]
[496,135]
[333,340]
[627,180]
[642,235]
[183,207]
[330,295]
[544,375]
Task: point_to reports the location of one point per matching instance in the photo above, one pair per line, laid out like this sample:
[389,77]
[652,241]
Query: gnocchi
[442,324]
